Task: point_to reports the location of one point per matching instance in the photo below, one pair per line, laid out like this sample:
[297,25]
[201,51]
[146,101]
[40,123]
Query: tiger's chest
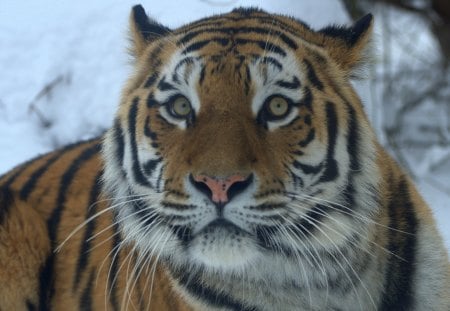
[322,283]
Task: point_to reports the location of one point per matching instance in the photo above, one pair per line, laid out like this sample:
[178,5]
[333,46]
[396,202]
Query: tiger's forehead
[246,22]
[227,67]
[242,36]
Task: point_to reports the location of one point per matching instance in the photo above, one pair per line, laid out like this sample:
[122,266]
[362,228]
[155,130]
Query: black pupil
[182,108]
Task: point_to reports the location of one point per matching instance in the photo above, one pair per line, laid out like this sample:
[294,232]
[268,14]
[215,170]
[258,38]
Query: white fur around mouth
[222,245]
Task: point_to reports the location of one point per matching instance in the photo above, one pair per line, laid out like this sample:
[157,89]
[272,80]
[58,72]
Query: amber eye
[181,107]
[278,107]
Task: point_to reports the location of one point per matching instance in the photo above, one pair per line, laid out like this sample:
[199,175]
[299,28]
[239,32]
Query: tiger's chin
[223,248]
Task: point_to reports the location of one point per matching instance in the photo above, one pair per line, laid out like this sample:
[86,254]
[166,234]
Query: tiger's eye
[181,107]
[278,106]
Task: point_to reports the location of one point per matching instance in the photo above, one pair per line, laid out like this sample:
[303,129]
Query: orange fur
[59,237]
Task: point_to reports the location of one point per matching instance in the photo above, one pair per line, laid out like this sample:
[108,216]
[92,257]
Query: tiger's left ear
[347,45]
[143,30]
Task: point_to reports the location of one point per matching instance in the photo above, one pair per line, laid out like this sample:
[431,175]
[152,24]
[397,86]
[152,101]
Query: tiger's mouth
[222,224]
[219,226]
[221,244]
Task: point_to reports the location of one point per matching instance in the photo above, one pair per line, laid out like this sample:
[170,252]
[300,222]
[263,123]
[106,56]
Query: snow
[81,50]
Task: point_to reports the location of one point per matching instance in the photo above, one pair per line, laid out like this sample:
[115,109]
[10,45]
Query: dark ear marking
[360,27]
[143,30]
[148,28]
[348,46]
[349,35]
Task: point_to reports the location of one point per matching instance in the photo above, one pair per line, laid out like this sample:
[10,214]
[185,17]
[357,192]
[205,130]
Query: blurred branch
[46,91]
[435,12]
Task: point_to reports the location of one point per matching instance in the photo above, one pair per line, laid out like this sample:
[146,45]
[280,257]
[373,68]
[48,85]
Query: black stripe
[31,183]
[86,296]
[307,119]
[31,306]
[184,61]
[183,233]
[151,80]
[297,180]
[132,119]
[247,79]
[349,194]
[151,101]
[120,142]
[6,202]
[268,207]
[46,276]
[308,169]
[65,183]
[272,61]
[292,85]
[150,166]
[264,45]
[192,34]
[400,274]
[229,31]
[200,44]
[203,22]
[146,216]
[264,237]
[312,76]
[178,206]
[309,223]
[311,134]
[140,293]
[29,186]
[202,75]
[353,151]
[85,246]
[353,139]
[114,267]
[46,288]
[307,99]
[160,178]
[154,58]
[218,299]
[331,167]
[150,133]
[163,85]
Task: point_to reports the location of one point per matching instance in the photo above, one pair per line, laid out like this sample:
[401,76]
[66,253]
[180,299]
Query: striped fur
[323,220]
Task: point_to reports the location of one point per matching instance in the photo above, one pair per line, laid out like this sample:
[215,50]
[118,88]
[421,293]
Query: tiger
[240,173]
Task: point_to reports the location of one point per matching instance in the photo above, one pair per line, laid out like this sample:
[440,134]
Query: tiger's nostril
[221,190]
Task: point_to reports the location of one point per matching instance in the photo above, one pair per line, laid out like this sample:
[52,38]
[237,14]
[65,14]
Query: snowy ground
[79,53]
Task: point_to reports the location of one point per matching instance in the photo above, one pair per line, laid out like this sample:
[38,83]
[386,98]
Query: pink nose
[219,186]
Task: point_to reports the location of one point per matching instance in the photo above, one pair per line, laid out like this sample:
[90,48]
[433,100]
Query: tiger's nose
[221,190]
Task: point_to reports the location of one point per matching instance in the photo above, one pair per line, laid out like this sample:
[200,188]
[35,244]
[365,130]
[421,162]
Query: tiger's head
[240,140]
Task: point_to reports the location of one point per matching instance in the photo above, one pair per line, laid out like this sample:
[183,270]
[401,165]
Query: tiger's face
[233,145]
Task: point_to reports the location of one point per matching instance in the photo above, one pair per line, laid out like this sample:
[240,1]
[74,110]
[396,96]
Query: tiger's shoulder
[58,238]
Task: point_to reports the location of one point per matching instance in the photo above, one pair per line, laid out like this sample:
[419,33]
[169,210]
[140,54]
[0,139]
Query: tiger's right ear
[143,30]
